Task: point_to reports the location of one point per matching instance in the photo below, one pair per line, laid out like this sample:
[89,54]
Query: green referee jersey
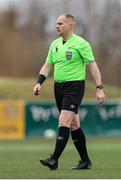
[69,59]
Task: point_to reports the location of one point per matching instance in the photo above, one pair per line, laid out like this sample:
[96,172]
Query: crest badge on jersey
[68,55]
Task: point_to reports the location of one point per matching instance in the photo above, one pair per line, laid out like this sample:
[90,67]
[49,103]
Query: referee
[69,54]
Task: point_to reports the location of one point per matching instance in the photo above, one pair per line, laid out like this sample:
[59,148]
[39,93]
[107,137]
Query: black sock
[79,141]
[61,142]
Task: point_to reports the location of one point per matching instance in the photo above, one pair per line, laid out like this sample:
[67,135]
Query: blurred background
[27,27]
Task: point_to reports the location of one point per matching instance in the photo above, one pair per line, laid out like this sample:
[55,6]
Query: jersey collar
[70,37]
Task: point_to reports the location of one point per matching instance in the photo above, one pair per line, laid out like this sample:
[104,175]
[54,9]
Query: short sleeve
[86,53]
[49,56]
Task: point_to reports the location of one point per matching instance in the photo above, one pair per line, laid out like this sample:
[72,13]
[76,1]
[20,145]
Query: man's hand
[100,96]
[36,89]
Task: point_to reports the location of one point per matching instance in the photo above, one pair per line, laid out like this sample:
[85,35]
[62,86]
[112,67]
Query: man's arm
[100,96]
[43,74]
[45,70]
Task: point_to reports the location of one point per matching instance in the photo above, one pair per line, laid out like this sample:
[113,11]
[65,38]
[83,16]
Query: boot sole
[86,168]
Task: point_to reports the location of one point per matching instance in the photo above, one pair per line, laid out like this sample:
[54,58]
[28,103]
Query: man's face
[63,25]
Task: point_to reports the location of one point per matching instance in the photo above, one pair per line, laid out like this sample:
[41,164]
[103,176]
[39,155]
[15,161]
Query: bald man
[69,55]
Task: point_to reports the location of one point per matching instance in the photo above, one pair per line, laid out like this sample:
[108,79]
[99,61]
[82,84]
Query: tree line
[25,36]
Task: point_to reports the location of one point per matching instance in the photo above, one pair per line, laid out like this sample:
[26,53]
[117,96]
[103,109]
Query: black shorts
[69,95]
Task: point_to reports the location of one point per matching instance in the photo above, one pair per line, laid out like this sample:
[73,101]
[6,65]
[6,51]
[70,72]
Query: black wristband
[41,79]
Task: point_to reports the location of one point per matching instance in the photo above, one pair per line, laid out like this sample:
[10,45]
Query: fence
[31,119]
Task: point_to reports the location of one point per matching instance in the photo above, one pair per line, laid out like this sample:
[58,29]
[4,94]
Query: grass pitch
[22,88]
[20,159]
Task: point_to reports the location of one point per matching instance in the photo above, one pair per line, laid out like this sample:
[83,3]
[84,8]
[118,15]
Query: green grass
[22,88]
[20,159]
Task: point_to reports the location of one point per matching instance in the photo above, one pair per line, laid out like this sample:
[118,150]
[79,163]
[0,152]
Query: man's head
[65,25]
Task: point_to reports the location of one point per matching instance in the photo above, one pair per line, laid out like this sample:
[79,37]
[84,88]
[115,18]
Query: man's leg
[65,120]
[79,141]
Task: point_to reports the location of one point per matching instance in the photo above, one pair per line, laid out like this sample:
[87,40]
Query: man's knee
[65,118]
[64,121]
[74,127]
[75,124]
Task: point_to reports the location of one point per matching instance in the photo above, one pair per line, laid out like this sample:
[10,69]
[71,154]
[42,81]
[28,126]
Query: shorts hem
[73,110]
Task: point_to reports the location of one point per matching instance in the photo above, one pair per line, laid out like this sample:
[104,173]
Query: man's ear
[71,26]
